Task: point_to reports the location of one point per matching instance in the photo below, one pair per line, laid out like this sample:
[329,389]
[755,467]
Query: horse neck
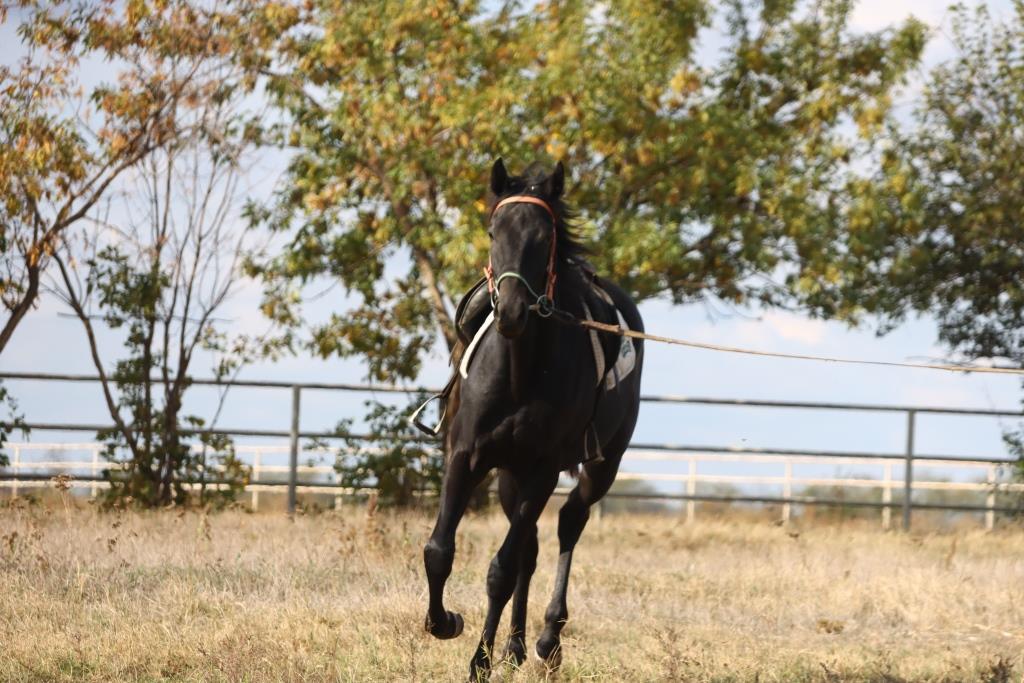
[523,356]
[537,346]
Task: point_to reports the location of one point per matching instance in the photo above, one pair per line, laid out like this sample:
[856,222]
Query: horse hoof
[480,666]
[515,651]
[550,652]
[451,628]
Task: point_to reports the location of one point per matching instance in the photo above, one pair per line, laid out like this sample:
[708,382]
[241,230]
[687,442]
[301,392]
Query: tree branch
[71,298]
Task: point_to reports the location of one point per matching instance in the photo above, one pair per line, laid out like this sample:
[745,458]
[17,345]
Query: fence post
[691,490]
[887,497]
[15,463]
[95,466]
[908,479]
[990,499]
[337,484]
[787,491]
[293,453]
[255,478]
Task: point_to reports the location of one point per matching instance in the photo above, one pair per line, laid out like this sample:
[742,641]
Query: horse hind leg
[515,649]
[594,482]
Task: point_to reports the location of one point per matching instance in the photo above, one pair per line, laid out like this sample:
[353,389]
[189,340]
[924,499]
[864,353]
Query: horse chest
[524,405]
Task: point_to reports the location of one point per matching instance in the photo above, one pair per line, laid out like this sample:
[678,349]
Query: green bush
[394,459]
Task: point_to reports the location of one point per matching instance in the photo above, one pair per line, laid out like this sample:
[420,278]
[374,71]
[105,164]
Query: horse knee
[501,580]
[438,558]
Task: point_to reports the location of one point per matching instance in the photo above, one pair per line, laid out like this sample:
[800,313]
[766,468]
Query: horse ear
[499,177]
[557,180]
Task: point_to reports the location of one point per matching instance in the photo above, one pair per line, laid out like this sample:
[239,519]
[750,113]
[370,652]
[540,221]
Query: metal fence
[32,472]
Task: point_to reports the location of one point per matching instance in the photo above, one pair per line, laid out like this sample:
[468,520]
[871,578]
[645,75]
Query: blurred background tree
[129,186]
[13,421]
[65,142]
[693,182]
[937,229]
[397,463]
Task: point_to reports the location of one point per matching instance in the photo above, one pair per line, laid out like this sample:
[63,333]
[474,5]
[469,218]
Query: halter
[544,302]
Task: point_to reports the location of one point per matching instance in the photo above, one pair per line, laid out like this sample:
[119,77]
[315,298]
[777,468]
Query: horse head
[524,223]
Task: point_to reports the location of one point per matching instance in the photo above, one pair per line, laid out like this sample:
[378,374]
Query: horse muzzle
[510,316]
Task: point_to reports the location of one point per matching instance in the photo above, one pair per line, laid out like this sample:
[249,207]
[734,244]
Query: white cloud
[771,331]
[872,15]
[793,328]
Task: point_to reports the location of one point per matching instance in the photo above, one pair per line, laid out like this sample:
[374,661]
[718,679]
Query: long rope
[615,329]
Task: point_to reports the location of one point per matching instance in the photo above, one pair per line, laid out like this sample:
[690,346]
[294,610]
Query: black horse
[536,396]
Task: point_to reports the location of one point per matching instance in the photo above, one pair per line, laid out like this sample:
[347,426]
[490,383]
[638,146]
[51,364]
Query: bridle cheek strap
[552,275]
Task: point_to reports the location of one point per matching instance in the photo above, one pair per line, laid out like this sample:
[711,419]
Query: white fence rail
[31,458]
[22,474]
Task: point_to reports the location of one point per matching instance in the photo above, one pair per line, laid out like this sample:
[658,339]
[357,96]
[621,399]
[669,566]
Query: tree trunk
[23,306]
[444,320]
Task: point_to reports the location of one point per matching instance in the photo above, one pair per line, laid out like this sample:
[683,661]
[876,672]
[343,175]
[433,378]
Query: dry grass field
[341,596]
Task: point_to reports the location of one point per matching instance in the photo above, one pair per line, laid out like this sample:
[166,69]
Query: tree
[159,257]
[64,144]
[691,181]
[160,270]
[13,421]
[53,170]
[397,463]
[937,229]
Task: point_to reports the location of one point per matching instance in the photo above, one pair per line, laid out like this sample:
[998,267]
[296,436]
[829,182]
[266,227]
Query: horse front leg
[439,553]
[515,649]
[503,574]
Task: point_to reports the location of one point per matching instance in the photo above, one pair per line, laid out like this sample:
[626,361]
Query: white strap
[596,343]
[468,355]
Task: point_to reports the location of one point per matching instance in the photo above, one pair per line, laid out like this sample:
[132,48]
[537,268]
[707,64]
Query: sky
[49,341]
